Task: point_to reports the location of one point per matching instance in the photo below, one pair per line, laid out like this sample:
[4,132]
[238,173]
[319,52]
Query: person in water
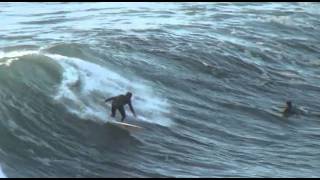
[118,103]
[289,109]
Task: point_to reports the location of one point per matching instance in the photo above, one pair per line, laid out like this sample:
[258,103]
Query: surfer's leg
[123,113]
[113,111]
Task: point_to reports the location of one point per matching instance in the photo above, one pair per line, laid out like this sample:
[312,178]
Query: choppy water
[209,83]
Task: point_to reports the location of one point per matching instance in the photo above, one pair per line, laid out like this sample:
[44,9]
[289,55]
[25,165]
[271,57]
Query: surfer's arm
[109,99]
[132,110]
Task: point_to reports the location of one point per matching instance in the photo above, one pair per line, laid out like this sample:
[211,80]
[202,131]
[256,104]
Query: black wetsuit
[118,102]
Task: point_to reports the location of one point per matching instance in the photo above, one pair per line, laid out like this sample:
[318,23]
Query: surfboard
[125,125]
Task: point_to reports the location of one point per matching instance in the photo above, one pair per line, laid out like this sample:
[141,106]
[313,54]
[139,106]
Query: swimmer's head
[289,104]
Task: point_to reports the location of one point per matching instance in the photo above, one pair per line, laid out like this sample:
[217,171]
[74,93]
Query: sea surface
[209,83]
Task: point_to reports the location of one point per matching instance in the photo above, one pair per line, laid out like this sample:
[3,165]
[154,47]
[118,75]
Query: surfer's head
[129,94]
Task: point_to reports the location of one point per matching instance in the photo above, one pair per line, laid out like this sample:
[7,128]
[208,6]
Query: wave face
[208,79]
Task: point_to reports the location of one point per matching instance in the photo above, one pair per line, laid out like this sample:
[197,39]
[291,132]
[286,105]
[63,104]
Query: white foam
[83,80]
[8,61]
[2,175]
[14,54]
[6,58]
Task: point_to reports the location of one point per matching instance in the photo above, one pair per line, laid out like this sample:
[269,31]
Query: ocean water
[209,82]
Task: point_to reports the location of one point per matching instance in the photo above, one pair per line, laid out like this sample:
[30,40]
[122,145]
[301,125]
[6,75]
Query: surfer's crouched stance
[118,102]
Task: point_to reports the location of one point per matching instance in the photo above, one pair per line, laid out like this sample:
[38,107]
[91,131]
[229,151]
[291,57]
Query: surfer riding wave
[118,103]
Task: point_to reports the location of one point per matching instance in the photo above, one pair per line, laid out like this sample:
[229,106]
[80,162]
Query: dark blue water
[209,82]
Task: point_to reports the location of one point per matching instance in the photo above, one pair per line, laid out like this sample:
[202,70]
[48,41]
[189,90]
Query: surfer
[118,103]
[289,109]
[292,110]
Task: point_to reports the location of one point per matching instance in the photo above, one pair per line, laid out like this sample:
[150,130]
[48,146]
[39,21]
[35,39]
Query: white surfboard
[125,125]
